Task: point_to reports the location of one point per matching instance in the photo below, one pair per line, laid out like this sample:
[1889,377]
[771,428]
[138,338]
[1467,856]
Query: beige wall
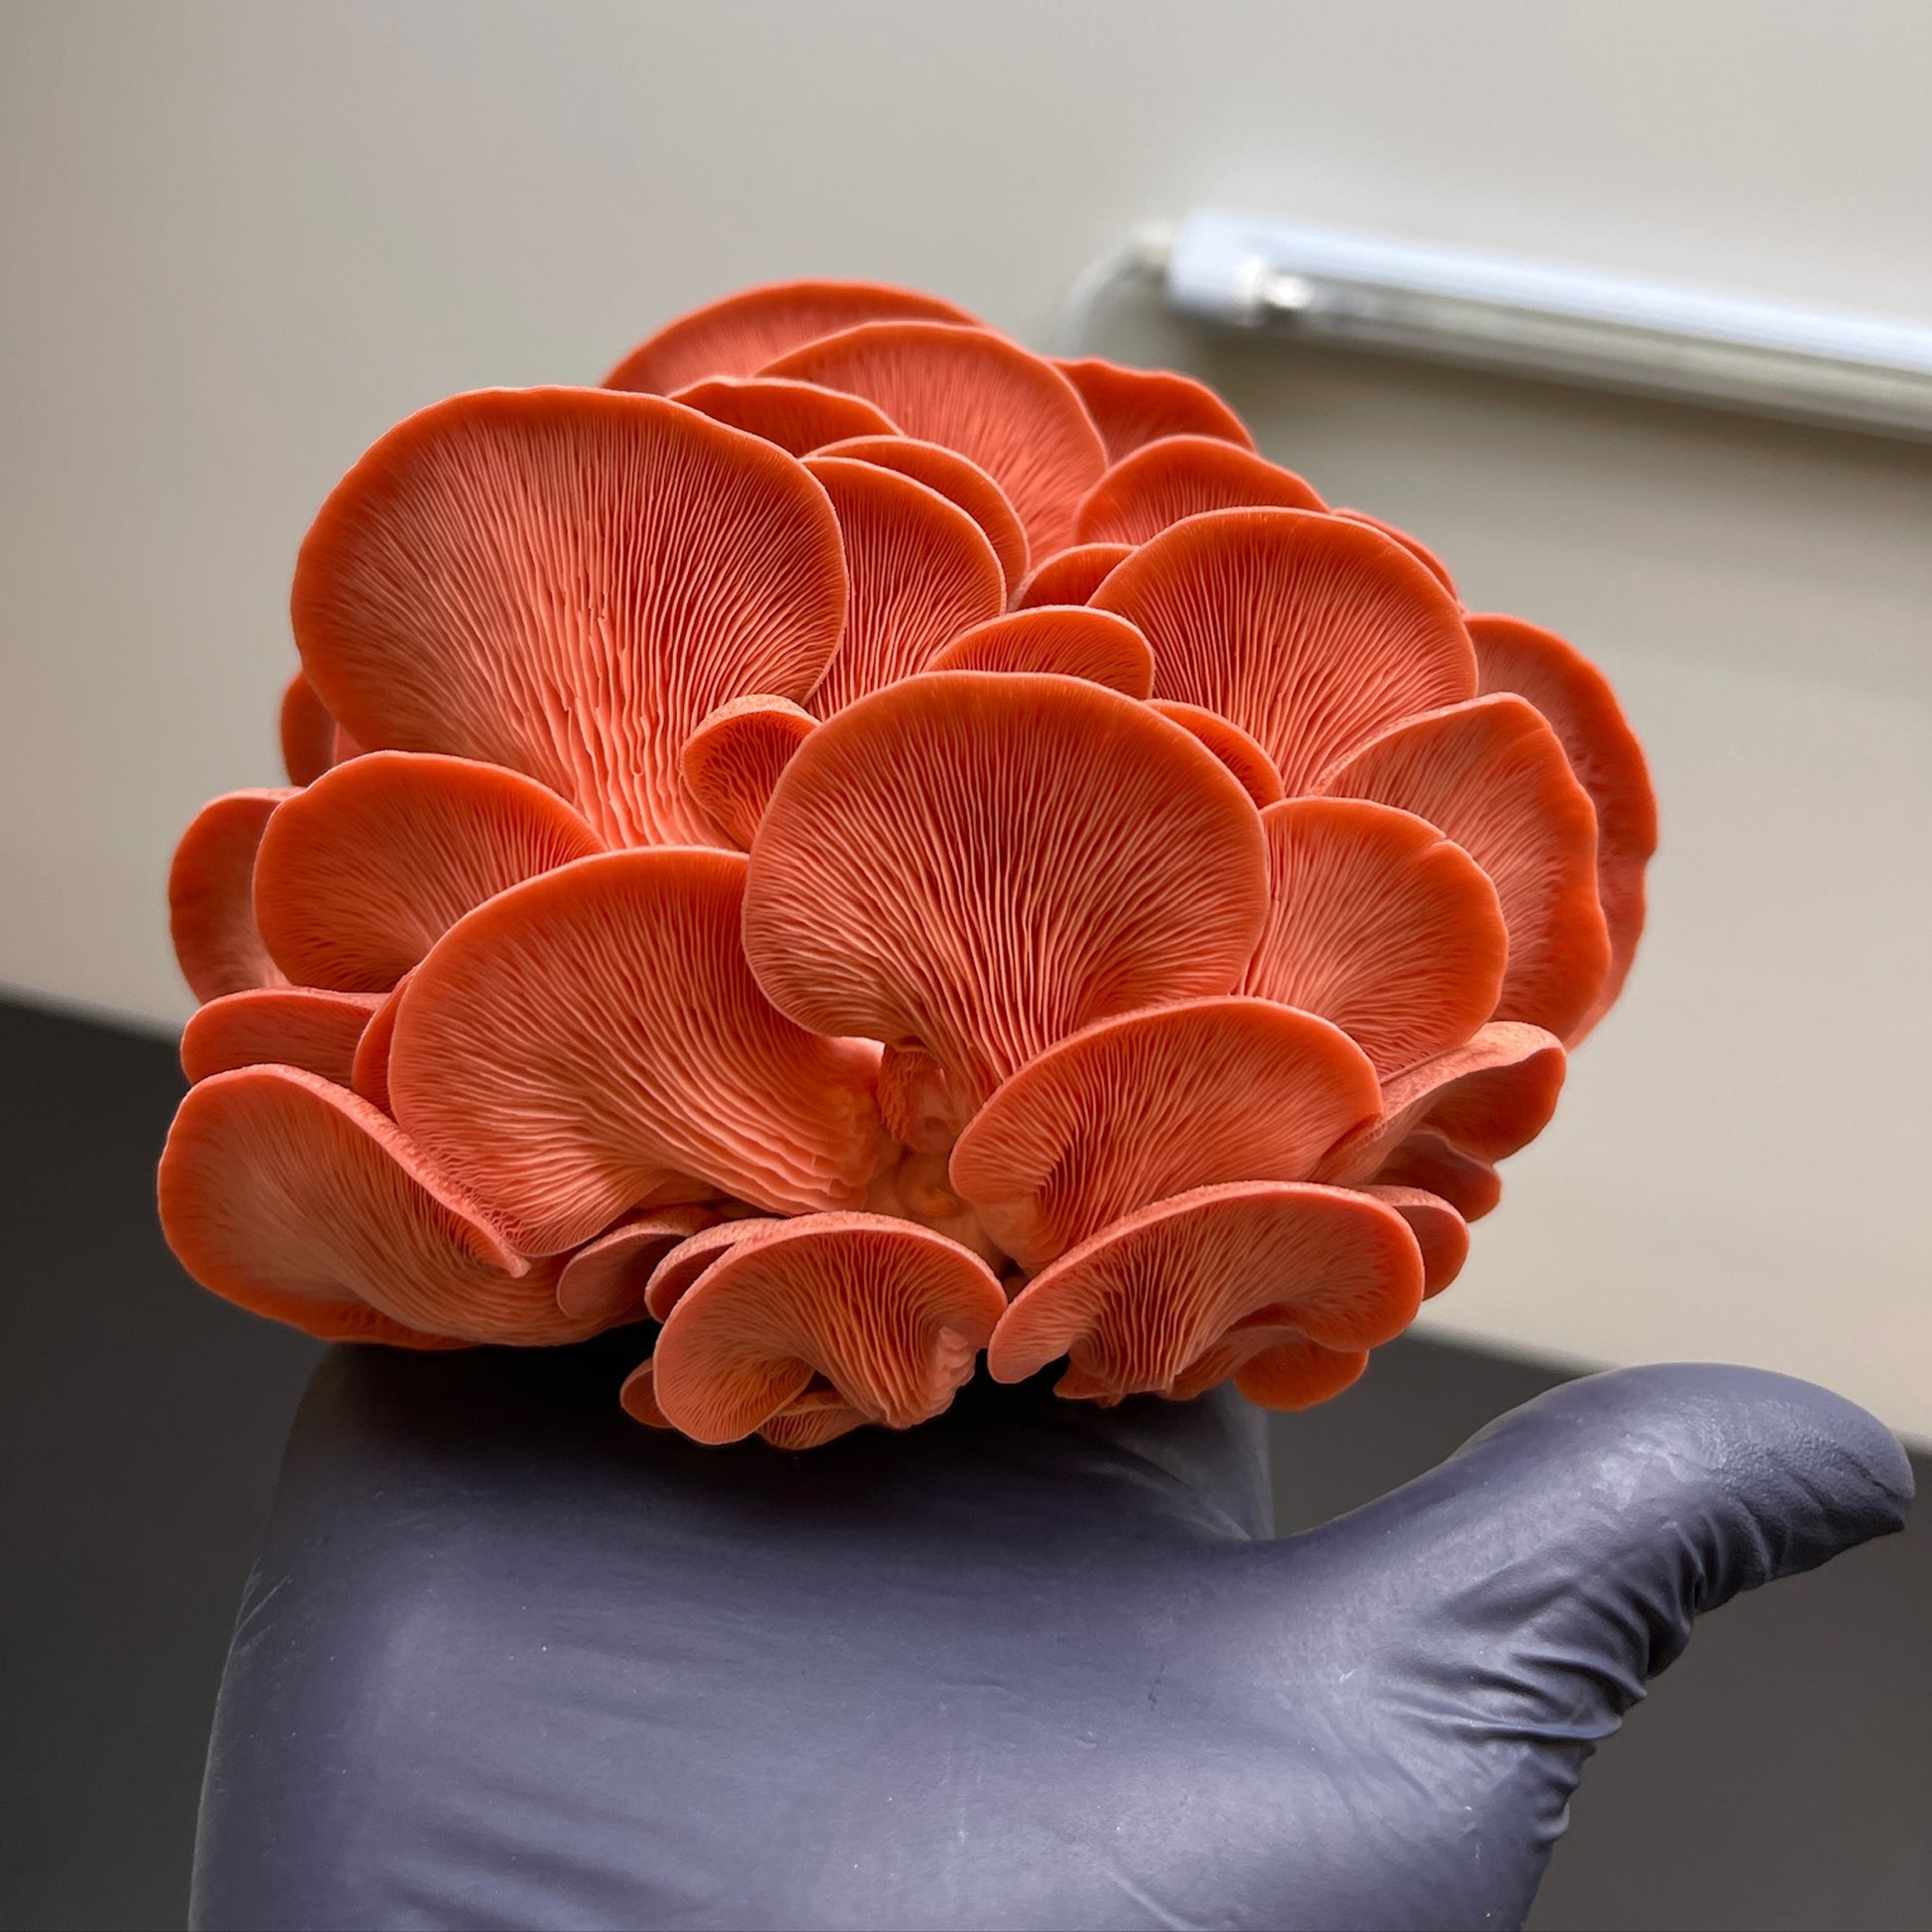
[240,240]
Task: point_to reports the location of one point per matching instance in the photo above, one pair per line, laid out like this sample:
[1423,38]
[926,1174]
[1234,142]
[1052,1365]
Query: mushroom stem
[916,1188]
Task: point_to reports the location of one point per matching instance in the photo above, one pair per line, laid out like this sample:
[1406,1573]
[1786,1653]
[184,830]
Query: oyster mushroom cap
[294,1199]
[593,1035]
[1488,1098]
[211,898]
[604,1281]
[1066,639]
[359,875]
[1380,923]
[891,1315]
[1441,1232]
[980,863]
[1177,476]
[1251,765]
[1414,545]
[1011,411]
[731,762]
[957,479]
[565,582]
[1131,407]
[1491,775]
[738,334]
[1138,1108]
[291,1026]
[1603,752]
[919,570]
[1309,632]
[1138,1305]
[1070,576]
[798,417]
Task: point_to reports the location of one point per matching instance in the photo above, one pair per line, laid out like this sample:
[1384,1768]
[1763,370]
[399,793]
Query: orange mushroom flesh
[1067,640]
[919,570]
[980,864]
[957,479]
[890,1315]
[211,897]
[733,760]
[1140,1304]
[1309,632]
[603,1282]
[293,1026]
[1184,476]
[677,1270]
[1011,412]
[1424,1161]
[1071,575]
[1441,1233]
[1414,545]
[1133,1110]
[1274,1365]
[308,732]
[360,874]
[1379,924]
[1251,765]
[1491,775]
[742,333]
[593,1035]
[1488,1098]
[566,582]
[1576,699]
[293,1199]
[1131,407]
[797,416]
[369,1072]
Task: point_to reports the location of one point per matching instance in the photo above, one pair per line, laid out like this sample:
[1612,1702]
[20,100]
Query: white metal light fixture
[1530,318]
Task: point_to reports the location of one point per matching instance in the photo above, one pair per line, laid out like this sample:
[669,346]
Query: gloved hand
[509,1660]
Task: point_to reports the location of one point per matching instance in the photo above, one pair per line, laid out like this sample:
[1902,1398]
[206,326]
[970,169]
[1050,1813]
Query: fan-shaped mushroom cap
[818,1413]
[890,1314]
[733,759]
[817,1416]
[1378,923]
[1071,575]
[211,895]
[1441,1233]
[369,1072]
[1309,632]
[1488,1097]
[676,1270]
[919,569]
[742,333]
[293,1026]
[1414,545]
[565,582]
[1134,1109]
[957,479]
[1184,476]
[1575,697]
[1013,413]
[1068,640]
[604,1281]
[980,862]
[1491,775]
[360,874]
[797,416]
[1131,407]
[595,1033]
[1137,1306]
[308,732]
[1251,765]
[293,1199]
[1274,1365]
[1425,1161]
